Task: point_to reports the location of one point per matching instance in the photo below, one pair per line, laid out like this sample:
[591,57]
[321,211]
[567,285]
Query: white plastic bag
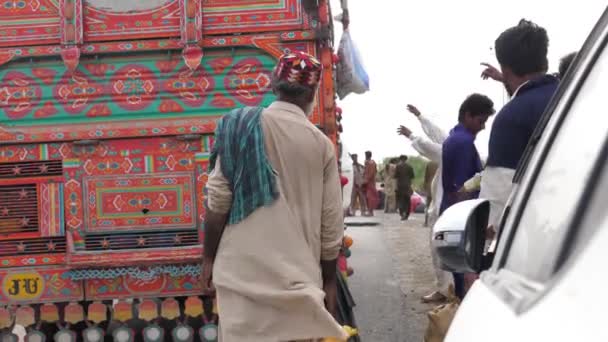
[351,76]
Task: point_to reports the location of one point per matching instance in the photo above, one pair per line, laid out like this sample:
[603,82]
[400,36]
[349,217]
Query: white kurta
[432,149]
[496,186]
[267,271]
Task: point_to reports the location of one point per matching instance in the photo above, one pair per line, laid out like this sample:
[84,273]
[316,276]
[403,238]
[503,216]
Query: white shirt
[496,186]
[431,149]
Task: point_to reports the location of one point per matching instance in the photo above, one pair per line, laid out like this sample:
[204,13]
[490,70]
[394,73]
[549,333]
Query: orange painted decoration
[191,10]
[70,32]
[190,30]
[5,57]
[71,57]
[193,55]
[194,307]
[99,110]
[98,313]
[68,11]
[25,316]
[148,310]
[170,309]
[123,311]
[49,313]
[5,318]
[170,106]
[74,313]
[47,110]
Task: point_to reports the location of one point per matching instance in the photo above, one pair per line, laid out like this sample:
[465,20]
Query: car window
[561,181]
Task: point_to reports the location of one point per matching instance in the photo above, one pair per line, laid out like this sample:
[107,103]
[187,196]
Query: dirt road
[392,272]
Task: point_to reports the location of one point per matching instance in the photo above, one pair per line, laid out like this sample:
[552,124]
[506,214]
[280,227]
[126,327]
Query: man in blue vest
[522,53]
[460,160]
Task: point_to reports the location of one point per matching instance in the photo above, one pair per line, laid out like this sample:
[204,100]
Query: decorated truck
[107,114]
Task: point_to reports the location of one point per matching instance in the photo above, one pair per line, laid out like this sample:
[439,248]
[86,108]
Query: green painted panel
[142,86]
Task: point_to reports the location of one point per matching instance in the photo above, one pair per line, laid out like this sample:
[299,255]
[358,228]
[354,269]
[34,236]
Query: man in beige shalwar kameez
[273,269]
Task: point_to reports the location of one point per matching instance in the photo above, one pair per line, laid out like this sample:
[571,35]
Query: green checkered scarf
[239,140]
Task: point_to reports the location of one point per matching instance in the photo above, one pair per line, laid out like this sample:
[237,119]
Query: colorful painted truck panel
[38,22]
[126,96]
[107,114]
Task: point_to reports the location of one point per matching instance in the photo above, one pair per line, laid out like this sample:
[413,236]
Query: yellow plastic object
[350,331]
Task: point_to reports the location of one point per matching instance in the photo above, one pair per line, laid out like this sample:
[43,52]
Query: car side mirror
[459,236]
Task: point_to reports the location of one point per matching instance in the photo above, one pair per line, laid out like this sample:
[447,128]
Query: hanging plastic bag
[351,76]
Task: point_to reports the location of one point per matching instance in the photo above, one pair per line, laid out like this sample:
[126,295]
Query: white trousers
[443,279]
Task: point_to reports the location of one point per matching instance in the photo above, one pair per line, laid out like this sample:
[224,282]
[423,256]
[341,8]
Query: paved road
[392,270]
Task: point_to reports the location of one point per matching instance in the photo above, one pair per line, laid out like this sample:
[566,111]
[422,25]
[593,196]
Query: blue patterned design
[144,274]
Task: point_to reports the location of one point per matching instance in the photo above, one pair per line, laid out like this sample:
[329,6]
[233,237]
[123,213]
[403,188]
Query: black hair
[394,160]
[476,105]
[523,48]
[403,157]
[565,62]
[295,93]
[368,154]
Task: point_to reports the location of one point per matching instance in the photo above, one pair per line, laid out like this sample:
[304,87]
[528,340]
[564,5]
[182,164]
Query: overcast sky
[428,53]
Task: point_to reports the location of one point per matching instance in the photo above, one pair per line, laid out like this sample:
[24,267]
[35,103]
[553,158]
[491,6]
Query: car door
[542,216]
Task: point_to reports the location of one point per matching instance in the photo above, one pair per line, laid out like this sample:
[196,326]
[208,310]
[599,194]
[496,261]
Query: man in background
[358,193]
[404,174]
[369,176]
[390,187]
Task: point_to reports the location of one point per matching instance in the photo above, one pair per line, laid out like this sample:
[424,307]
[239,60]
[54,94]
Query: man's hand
[490,233]
[207,276]
[412,109]
[329,272]
[406,132]
[491,72]
[331,297]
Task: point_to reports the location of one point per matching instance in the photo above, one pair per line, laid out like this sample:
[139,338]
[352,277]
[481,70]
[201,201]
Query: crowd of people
[271,167]
[521,52]
[397,183]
